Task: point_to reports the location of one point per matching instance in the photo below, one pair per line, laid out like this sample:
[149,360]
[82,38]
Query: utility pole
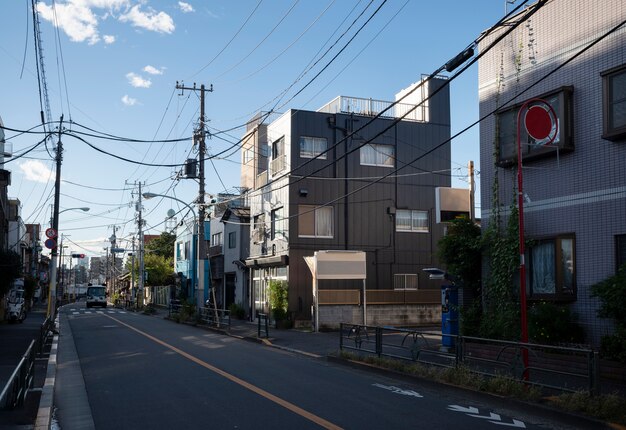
[141,247]
[202,294]
[132,273]
[52,290]
[470,170]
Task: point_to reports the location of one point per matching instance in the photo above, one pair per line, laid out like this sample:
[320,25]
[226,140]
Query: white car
[96,296]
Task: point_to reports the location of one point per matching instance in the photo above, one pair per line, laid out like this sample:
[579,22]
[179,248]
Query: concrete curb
[46,402]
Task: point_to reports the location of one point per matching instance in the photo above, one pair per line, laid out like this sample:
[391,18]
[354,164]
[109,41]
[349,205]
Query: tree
[10,269]
[163,245]
[160,270]
[460,251]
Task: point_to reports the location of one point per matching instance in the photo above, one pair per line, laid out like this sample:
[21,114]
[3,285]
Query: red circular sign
[51,233]
[538,122]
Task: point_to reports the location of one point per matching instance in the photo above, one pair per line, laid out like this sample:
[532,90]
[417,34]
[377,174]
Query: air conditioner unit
[258,235]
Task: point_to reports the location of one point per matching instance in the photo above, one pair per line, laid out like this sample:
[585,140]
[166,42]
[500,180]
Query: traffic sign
[50,243]
[51,233]
[117,250]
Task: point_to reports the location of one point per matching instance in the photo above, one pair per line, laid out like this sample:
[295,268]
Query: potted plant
[279,302]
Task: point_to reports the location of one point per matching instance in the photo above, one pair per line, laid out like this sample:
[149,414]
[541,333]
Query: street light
[199,272]
[52,287]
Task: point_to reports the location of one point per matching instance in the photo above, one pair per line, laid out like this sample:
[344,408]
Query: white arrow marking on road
[515,423]
[457,408]
[397,390]
[491,416]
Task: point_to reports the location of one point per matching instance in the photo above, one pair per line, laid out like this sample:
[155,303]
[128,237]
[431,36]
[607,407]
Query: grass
[611,407]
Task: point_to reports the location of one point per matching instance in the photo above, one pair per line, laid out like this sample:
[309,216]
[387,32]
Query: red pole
[522,263]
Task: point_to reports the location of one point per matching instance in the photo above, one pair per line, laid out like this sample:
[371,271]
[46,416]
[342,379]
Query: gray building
[570,55]
[327,180]
[5,181]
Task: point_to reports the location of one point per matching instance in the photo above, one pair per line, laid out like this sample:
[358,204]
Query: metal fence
[550,367]
[15,391]
[214,317]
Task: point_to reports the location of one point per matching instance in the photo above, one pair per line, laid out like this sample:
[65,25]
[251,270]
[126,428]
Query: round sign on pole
[50,243]
[51,233]
[538,122]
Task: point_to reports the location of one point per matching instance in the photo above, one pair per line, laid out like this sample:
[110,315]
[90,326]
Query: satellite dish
[171,213]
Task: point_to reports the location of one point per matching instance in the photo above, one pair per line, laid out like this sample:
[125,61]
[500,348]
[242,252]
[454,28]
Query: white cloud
[36,171]
[138,81]
[150,20]
[129,101]
[153,70]
[79,19]
[185,7]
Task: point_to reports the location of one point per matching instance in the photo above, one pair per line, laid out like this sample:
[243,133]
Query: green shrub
[551,324]
[237,310]
[470,318]
[612,294]
[278,299]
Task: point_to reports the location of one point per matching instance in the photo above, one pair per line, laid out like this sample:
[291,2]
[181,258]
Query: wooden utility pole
[52,291]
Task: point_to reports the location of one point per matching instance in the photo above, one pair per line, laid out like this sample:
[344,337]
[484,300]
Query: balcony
[215,250]
[371,107]
[261,179]
[277,165]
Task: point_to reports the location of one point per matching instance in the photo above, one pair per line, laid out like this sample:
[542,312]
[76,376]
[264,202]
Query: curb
[46,402]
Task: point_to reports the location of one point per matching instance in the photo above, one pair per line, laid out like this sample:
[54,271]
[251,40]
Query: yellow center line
[284,403]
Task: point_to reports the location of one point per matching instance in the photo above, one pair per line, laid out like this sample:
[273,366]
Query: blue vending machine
[449,316]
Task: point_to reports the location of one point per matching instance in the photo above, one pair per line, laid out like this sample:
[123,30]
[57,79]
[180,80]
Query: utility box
[449,315]
[191,168]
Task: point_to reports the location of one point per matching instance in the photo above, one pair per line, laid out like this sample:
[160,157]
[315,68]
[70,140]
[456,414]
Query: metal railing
[16,389]
[277,164]
[372,107]
[263,324]
[550,367]
[214,317]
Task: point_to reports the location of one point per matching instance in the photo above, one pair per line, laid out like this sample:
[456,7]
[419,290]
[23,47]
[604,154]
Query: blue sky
[112,66]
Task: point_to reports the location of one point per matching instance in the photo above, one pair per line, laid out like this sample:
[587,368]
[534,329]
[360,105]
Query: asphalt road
[142,372]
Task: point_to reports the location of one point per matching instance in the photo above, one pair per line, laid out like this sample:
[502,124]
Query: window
[248,155]
[552,265]
[180,251]
[232,239]
[278,156]
[311,147]
[620,250]
[405,281]
[412,220]
[614,103]
[561,102]
[315,221]
[216,239]
[377,155]
[277,223]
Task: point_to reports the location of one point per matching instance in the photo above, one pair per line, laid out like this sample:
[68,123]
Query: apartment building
[357,174]
[570,55]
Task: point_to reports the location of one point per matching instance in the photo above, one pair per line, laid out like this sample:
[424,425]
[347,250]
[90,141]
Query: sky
[111,67]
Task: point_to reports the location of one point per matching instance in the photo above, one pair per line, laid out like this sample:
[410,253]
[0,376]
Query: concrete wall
[380,315]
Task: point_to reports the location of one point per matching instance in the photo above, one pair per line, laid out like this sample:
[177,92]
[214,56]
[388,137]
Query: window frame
[217,239]
[307,209]
[276,220]
[404,277]
[413,217]
[232,240]
[560,294]
[563,107]
[610,132]
[376,148]
[314,153]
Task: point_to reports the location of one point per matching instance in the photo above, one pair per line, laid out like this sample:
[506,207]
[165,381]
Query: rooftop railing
[371,107]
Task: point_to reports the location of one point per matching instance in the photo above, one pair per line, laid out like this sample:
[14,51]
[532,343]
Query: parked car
[16,306]
[96,296]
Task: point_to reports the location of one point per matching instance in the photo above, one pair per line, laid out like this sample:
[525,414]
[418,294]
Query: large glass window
[311,147]
[377,155]
[614,103]
[561,102]
[216,239]
[412,220]
[552,268]
[315,221]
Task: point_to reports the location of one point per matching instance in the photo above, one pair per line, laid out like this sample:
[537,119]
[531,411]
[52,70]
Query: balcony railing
[371,107]
[277,165]
[261,179]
